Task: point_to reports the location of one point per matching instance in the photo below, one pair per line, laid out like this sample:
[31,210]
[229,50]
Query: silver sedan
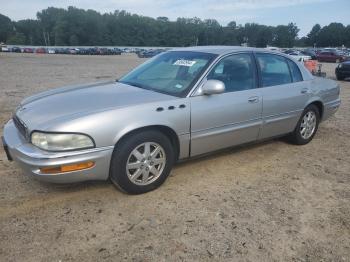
[180,104]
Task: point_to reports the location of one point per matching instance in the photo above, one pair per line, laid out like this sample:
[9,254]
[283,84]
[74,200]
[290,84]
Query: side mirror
[212,87]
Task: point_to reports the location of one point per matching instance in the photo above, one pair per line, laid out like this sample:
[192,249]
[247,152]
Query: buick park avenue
[180,104]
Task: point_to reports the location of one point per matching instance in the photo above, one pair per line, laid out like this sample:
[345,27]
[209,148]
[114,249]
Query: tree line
[79,27]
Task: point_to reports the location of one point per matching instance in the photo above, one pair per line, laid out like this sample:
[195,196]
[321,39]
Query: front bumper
[342,72]
[31,159]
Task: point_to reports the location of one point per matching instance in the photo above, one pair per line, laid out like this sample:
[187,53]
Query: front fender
[108,127]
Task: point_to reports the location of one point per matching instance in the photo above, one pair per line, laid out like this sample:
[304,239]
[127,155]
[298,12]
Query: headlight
[340,65]
[61,141]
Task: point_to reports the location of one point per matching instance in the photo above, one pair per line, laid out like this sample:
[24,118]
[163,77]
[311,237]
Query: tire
[131,152]
[298,137]
[340,78]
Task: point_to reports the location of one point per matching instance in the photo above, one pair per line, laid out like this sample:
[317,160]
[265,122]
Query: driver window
[236,72]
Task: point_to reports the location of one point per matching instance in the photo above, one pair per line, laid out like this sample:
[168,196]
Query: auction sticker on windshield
[183,62]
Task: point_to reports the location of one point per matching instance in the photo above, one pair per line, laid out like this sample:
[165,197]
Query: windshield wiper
[134,84]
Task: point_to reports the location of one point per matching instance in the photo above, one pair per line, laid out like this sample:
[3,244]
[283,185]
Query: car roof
[221,50]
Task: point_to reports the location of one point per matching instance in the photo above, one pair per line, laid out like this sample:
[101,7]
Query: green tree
[74,26]
[312,37]
[17,39]
[332,35]
[73,40]
[285,35]
[6,28]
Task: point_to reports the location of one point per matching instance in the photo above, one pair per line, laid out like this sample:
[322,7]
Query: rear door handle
[253,99]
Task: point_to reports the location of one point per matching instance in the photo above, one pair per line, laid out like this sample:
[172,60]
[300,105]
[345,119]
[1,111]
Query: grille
[22,128]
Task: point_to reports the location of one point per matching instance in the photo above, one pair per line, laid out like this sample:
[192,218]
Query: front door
[234,117]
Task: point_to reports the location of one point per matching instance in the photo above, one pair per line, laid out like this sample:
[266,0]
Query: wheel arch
[319,105]
[166,130]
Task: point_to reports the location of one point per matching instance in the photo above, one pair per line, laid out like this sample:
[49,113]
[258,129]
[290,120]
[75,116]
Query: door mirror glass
[212,87]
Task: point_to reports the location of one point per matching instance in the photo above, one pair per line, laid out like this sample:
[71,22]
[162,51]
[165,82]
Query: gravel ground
[266,202]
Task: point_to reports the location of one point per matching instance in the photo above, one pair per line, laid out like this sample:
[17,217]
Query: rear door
[230,118]
[284,94]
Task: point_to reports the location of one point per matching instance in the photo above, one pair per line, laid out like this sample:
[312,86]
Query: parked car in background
[299,56]
[342,71]
[309,52]
[273,48]
[92,51]
[16,49]
[82,51]
[288,51]
[4,48]
[51,51]
[184,103]
[62,51]
[150,53]
[116,51]
[126,50]
[40,51]
[73,51]
[331,56]
[28,50]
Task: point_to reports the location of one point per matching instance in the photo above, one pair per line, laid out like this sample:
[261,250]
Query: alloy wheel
[308,125]
[146,163]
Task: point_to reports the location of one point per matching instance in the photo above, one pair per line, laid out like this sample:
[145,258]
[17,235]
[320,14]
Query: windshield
[172,73]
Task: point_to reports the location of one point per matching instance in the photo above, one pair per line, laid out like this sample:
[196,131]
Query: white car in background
[300,56]
[5,49]
[273,48]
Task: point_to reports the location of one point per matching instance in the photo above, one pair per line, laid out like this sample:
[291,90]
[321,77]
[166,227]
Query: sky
[305,13]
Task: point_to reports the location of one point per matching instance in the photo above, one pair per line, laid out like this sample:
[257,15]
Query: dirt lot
[267,202]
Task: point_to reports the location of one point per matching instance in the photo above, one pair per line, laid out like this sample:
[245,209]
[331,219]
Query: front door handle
[253,99]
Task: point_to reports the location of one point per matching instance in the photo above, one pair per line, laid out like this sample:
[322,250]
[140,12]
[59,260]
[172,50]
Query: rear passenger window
[274,70]
[295,71]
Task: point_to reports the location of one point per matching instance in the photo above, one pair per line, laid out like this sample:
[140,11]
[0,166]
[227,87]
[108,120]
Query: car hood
[73,101]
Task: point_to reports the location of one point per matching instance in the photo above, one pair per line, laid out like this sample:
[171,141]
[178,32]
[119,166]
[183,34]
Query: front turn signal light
[67,168]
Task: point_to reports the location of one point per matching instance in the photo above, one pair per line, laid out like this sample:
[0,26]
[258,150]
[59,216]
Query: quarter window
[236,71]
[274,70]
[295,71]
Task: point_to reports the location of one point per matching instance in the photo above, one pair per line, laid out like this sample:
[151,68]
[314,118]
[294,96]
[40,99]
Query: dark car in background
[149,53]
[331,56]
[288,51]
[117,51]
[342,71]
[16,49]
[62,51]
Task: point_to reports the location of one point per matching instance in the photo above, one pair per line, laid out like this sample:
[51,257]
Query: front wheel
[307,126]
[141,162]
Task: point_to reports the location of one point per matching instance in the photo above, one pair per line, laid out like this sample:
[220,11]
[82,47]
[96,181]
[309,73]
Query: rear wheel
[141,162]
[307,126]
